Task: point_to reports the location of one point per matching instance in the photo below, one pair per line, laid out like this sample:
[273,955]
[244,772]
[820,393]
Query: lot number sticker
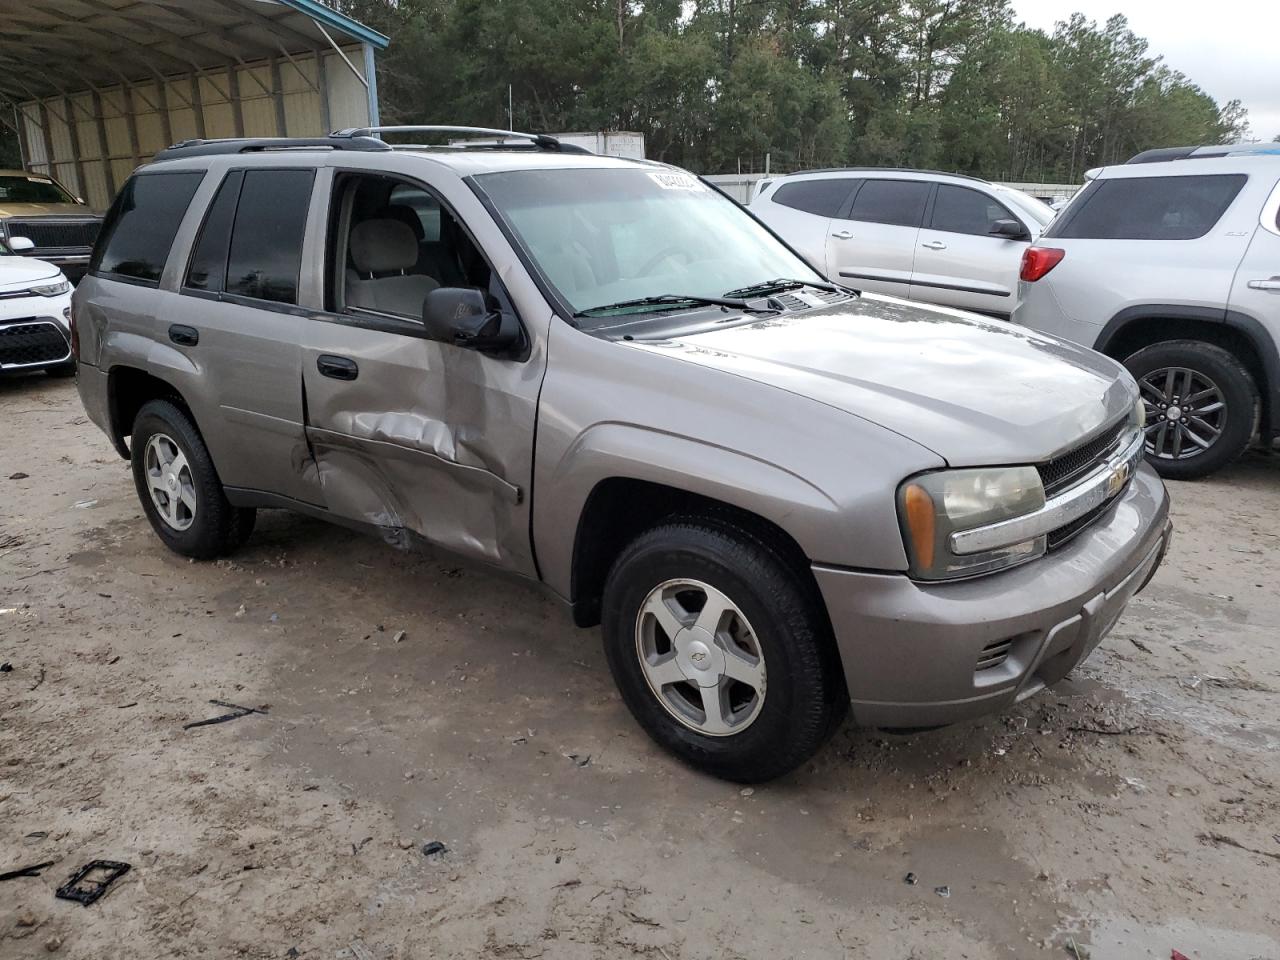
[675,181]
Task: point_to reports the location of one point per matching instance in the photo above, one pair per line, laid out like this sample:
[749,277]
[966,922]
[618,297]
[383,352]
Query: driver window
[961,210]
[397,243]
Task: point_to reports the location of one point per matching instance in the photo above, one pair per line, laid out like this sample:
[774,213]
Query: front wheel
[1200,403]
[179,488]
[721,650]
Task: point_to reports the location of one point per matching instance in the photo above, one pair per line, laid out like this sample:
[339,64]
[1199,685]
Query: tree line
[716,85]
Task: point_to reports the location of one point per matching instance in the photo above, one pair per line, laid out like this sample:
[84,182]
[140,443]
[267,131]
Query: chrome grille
[54,232]
[31,343]
[1061,472]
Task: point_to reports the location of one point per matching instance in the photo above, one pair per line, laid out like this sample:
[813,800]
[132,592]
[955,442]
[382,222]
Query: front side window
[823,197]
[604,237]
[961,210]
[895,202]
[265,255]
[32,188]
[139,229]
[1149,208]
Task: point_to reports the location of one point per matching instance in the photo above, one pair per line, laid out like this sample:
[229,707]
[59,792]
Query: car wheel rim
[1186,412]
[700,657]
[169,481]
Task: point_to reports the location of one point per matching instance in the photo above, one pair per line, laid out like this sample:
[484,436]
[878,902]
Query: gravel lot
[1133,808]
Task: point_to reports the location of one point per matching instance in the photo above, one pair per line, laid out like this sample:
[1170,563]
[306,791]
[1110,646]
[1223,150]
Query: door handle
[842,234]
[934,245]
[1272,284]
[183,335]
[337,368]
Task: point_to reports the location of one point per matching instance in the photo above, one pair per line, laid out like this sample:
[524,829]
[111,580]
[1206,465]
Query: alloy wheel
[700,657]
[169,481]
[1186,412]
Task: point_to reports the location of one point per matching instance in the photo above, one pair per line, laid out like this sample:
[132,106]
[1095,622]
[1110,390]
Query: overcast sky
[1231,48]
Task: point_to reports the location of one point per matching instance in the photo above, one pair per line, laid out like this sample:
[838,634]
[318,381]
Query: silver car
[917,234]
[1173,267]
[779,497]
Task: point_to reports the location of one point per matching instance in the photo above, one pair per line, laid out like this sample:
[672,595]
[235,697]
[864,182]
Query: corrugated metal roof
[56,47]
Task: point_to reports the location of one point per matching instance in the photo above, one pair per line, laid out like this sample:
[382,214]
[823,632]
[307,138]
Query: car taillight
[1037,261]
[75,334]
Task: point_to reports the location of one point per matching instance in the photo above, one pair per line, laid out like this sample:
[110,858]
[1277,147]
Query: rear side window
[961,210]
[898,202]
[265,255]
[208,268]
[822,197]
[135,238]
[1149,208]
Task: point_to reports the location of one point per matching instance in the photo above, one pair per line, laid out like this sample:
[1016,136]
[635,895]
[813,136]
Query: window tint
[961,210]
[822,197]
[424,206]
[1149,208]
[135,238]
[898,202]
[208,267]
[266,240]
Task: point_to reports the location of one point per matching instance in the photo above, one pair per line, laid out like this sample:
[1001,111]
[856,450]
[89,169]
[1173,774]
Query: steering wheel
[663,254]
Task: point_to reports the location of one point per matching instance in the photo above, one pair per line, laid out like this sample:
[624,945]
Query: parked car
[936,237]
[778,496]
[1173,267]
[60,225]
[35,313]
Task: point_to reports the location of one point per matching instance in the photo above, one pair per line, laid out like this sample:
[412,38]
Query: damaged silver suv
[780,497]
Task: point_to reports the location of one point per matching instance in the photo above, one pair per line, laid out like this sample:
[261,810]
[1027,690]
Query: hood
[23,271]
[974,391]
[46,210]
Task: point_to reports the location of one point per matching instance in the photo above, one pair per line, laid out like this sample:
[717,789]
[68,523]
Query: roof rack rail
[204,148]
[872,169]
[540,141]
[1161,154]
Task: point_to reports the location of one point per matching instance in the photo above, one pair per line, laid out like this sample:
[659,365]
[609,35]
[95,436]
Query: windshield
[31,188]
[1039,212]
[603,237]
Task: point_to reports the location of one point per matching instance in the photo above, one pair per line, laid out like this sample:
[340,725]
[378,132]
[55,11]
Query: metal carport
[95,87]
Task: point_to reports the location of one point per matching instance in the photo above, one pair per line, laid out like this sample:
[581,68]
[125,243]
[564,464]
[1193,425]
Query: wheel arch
[128,388]
[1243,335]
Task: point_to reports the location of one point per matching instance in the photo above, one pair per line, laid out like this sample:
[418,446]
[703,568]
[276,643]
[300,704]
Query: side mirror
[1010,230]
[464,317]
[21,244]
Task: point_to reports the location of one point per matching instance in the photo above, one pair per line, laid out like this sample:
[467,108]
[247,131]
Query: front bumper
[911,650]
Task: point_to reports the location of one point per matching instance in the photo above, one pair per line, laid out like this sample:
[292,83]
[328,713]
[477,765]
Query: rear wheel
[179,488]
[1200,403]
[721,651]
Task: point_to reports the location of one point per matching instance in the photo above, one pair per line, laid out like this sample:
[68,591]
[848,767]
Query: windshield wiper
[779,285]
[674,300]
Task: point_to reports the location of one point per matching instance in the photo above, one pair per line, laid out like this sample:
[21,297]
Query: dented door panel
[428,439]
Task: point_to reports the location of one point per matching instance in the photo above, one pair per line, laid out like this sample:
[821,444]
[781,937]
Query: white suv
[1174,268]
[937,237]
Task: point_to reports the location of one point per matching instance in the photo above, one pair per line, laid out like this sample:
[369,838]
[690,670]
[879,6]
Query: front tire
[1201,405]
[721,650]
[179,488]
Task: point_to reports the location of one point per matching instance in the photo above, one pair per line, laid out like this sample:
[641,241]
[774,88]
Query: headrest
[404,213]
[383,246]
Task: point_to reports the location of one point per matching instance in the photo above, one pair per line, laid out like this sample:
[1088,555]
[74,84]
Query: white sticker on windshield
[39,180]
[676,181]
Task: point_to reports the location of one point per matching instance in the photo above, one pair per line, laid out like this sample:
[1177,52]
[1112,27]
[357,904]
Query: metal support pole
[47,137]
[197,105]
[277,95]
[322,78]
[371,81]
[237,105]
[103,150]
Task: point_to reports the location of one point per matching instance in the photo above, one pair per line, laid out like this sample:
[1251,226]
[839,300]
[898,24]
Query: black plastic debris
[942,891]
[31,871]
[910,879]
[434,849]
[18,476]
[6,667]
[238,712]
[83,890]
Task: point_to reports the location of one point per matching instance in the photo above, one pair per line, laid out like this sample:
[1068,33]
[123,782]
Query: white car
[35,313]
[916,234]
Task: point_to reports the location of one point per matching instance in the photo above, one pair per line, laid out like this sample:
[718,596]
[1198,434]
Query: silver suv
[1173,267]
[918,234]
[779,496]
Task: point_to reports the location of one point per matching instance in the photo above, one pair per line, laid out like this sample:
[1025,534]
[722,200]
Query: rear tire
[1222,410]
[179,488]
[774,633]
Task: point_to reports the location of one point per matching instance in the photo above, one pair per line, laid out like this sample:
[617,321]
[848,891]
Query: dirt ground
[1132,810]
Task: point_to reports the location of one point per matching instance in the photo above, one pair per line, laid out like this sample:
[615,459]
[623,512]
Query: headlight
[933,506]
[52,289]
[1138,415]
